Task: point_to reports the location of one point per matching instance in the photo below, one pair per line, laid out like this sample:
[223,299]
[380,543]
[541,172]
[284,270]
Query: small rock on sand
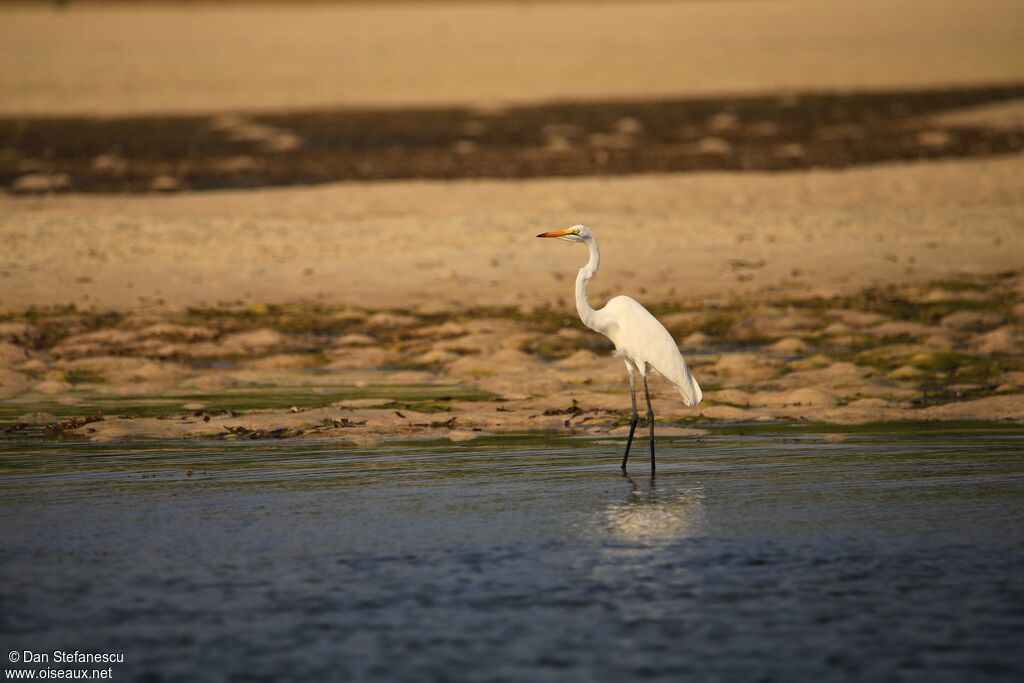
[1015,377]
[696,340]
[581,359]
[723,121]
[939,341]
[745,366]
[387,319]
[520,386]
[804,397]
[934,139]
[13,331]
[436,308]
[366,440]
[1002,340]
[685,320]
[503,361]
[216,382]
[864,403]
[124,369]
[254,341]
[837,328]
[789,346]
[284,361]
[361,358]
[52,386]
[1001,407]
[109,164]
[178,332]
[971,320]
[165,183]
[283,142]
[901,328]
[41,183]
[734,397]
[716,412]
[792,150]
[362,403]
[349,315]
[37,419]
[905,372]
[11,355]
[629,125]
[462,435]
[815,362]
[12,383]
[858,319]
[410,377]
[712,146]
[435,357]
[447,329]
[355,340]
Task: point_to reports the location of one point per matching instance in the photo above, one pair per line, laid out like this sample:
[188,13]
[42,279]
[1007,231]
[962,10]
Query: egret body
[640,340]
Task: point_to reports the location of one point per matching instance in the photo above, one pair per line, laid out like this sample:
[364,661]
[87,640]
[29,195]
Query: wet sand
[787,131]
[946,350]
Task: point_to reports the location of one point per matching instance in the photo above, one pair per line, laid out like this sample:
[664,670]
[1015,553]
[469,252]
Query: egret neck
[586,311]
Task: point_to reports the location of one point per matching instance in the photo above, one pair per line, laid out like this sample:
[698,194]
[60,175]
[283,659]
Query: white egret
[640,340]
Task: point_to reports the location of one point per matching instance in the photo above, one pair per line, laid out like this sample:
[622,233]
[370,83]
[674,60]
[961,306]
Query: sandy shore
[944,350]
[672,238]
[878,294]
[117,59]
[427,309]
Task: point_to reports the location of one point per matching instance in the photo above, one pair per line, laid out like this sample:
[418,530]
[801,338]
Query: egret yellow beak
[557,233]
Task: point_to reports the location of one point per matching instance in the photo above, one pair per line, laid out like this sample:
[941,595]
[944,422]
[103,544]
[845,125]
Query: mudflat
[370,272]
[781,132]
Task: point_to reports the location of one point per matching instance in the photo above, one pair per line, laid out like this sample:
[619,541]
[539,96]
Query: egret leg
[650,420]
[636,416]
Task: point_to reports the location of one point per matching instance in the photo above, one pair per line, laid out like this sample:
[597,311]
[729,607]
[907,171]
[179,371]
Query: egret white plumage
[640,339]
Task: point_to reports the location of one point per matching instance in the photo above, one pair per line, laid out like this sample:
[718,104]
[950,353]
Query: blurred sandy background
[395,243]
[176,57]
[939,243]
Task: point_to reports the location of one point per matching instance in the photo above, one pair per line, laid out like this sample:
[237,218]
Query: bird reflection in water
[656,513]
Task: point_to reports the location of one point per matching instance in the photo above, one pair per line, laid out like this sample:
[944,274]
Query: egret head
[577,233]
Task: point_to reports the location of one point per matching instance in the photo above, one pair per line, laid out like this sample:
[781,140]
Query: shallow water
[759,557]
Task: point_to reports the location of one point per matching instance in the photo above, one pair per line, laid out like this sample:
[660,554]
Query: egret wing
[641,337]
